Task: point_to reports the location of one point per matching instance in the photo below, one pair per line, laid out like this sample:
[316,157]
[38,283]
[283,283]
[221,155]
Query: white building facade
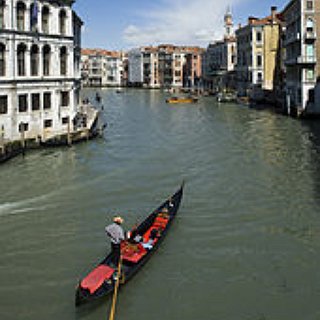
[102,67]
[39,68]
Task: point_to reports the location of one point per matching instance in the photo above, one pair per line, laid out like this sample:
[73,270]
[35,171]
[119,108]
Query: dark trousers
[115,250]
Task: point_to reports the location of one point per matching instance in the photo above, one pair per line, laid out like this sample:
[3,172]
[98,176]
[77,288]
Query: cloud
[187,22]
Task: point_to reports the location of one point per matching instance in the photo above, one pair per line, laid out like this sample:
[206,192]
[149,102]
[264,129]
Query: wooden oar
[115,293]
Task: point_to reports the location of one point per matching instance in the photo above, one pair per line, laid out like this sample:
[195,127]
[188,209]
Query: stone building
[220,59]
[101,67]
[258,45]
[165,66]
[302,47]
[39,68]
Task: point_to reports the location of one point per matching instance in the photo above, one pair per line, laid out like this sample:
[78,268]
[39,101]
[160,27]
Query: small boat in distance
[98,97]
[225,97]
[136,251]
[174,100]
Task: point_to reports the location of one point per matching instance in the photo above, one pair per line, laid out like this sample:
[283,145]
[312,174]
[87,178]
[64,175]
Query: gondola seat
[132,253]
[95,279]
[160,223]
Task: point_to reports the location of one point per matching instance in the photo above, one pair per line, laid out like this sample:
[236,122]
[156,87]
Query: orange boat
[182,100]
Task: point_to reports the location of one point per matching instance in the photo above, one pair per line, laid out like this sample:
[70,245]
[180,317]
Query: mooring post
[69,139]
[23,142]
[2,148]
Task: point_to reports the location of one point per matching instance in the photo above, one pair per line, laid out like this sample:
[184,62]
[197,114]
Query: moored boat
[135,252]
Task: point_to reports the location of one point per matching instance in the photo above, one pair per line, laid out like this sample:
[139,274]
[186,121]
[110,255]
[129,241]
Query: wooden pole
[69,140]
[115,293]
[2,140]
[23,142]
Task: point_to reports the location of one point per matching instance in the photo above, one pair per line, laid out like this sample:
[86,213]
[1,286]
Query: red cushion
[94,280]
[133,254]
[160,222]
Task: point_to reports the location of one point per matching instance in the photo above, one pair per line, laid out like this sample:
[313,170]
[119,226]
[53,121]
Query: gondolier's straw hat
[118,219]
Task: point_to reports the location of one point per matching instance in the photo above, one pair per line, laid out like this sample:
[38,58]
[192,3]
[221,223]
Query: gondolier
[116,234]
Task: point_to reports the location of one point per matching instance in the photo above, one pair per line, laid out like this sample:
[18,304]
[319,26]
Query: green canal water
[245,245]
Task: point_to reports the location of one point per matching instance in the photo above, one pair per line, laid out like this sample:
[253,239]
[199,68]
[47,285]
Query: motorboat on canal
[101,281]
[175,100]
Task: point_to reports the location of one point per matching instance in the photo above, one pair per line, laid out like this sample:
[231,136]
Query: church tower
[228,24]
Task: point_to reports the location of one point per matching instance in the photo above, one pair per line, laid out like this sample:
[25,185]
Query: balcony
[302,60]
[307,60]
[310,36]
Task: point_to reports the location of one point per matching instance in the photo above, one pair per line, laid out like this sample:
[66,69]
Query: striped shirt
[115,232]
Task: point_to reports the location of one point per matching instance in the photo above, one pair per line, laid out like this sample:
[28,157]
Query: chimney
[274,13]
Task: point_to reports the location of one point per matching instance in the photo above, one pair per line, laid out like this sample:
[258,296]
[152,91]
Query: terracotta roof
[264,21]
[101,52]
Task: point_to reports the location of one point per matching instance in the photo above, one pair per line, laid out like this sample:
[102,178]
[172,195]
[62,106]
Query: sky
[125,24]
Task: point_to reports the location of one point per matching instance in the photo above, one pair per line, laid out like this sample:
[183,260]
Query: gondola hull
[101,280]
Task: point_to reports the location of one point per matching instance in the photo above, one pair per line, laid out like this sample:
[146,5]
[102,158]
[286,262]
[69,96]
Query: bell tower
[228,24]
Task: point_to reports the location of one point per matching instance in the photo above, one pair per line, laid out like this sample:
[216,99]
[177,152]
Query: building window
[310,52]
[34,59]
[309,74]
[33,16]
[62,22]
[21,12]
[23,127]
[259,77]
[259,36]
[65,120]
[45,19]
[2,7]
[2,60]
[64,98]
[46,55]
[309,5]
[21,59]
[47,123]
[310,25]
[63,61]
[23,103]
[35,101]
[259,60]
[47,100]
[3,104]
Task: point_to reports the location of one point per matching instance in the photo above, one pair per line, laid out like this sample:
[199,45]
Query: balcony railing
[301,60]
[310,35]
[307,59]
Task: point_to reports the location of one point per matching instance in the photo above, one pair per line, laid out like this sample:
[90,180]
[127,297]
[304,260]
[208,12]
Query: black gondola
[100,281]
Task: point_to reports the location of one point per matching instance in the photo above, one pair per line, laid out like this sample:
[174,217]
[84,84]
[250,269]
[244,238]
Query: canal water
[245,245]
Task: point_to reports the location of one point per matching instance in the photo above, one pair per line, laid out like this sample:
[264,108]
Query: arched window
[62,22]
[45,19]
[46,57]
[2,7]
[63,61]
[21,52]
[2,60]
[34,60]
[21,12]
[33,16]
